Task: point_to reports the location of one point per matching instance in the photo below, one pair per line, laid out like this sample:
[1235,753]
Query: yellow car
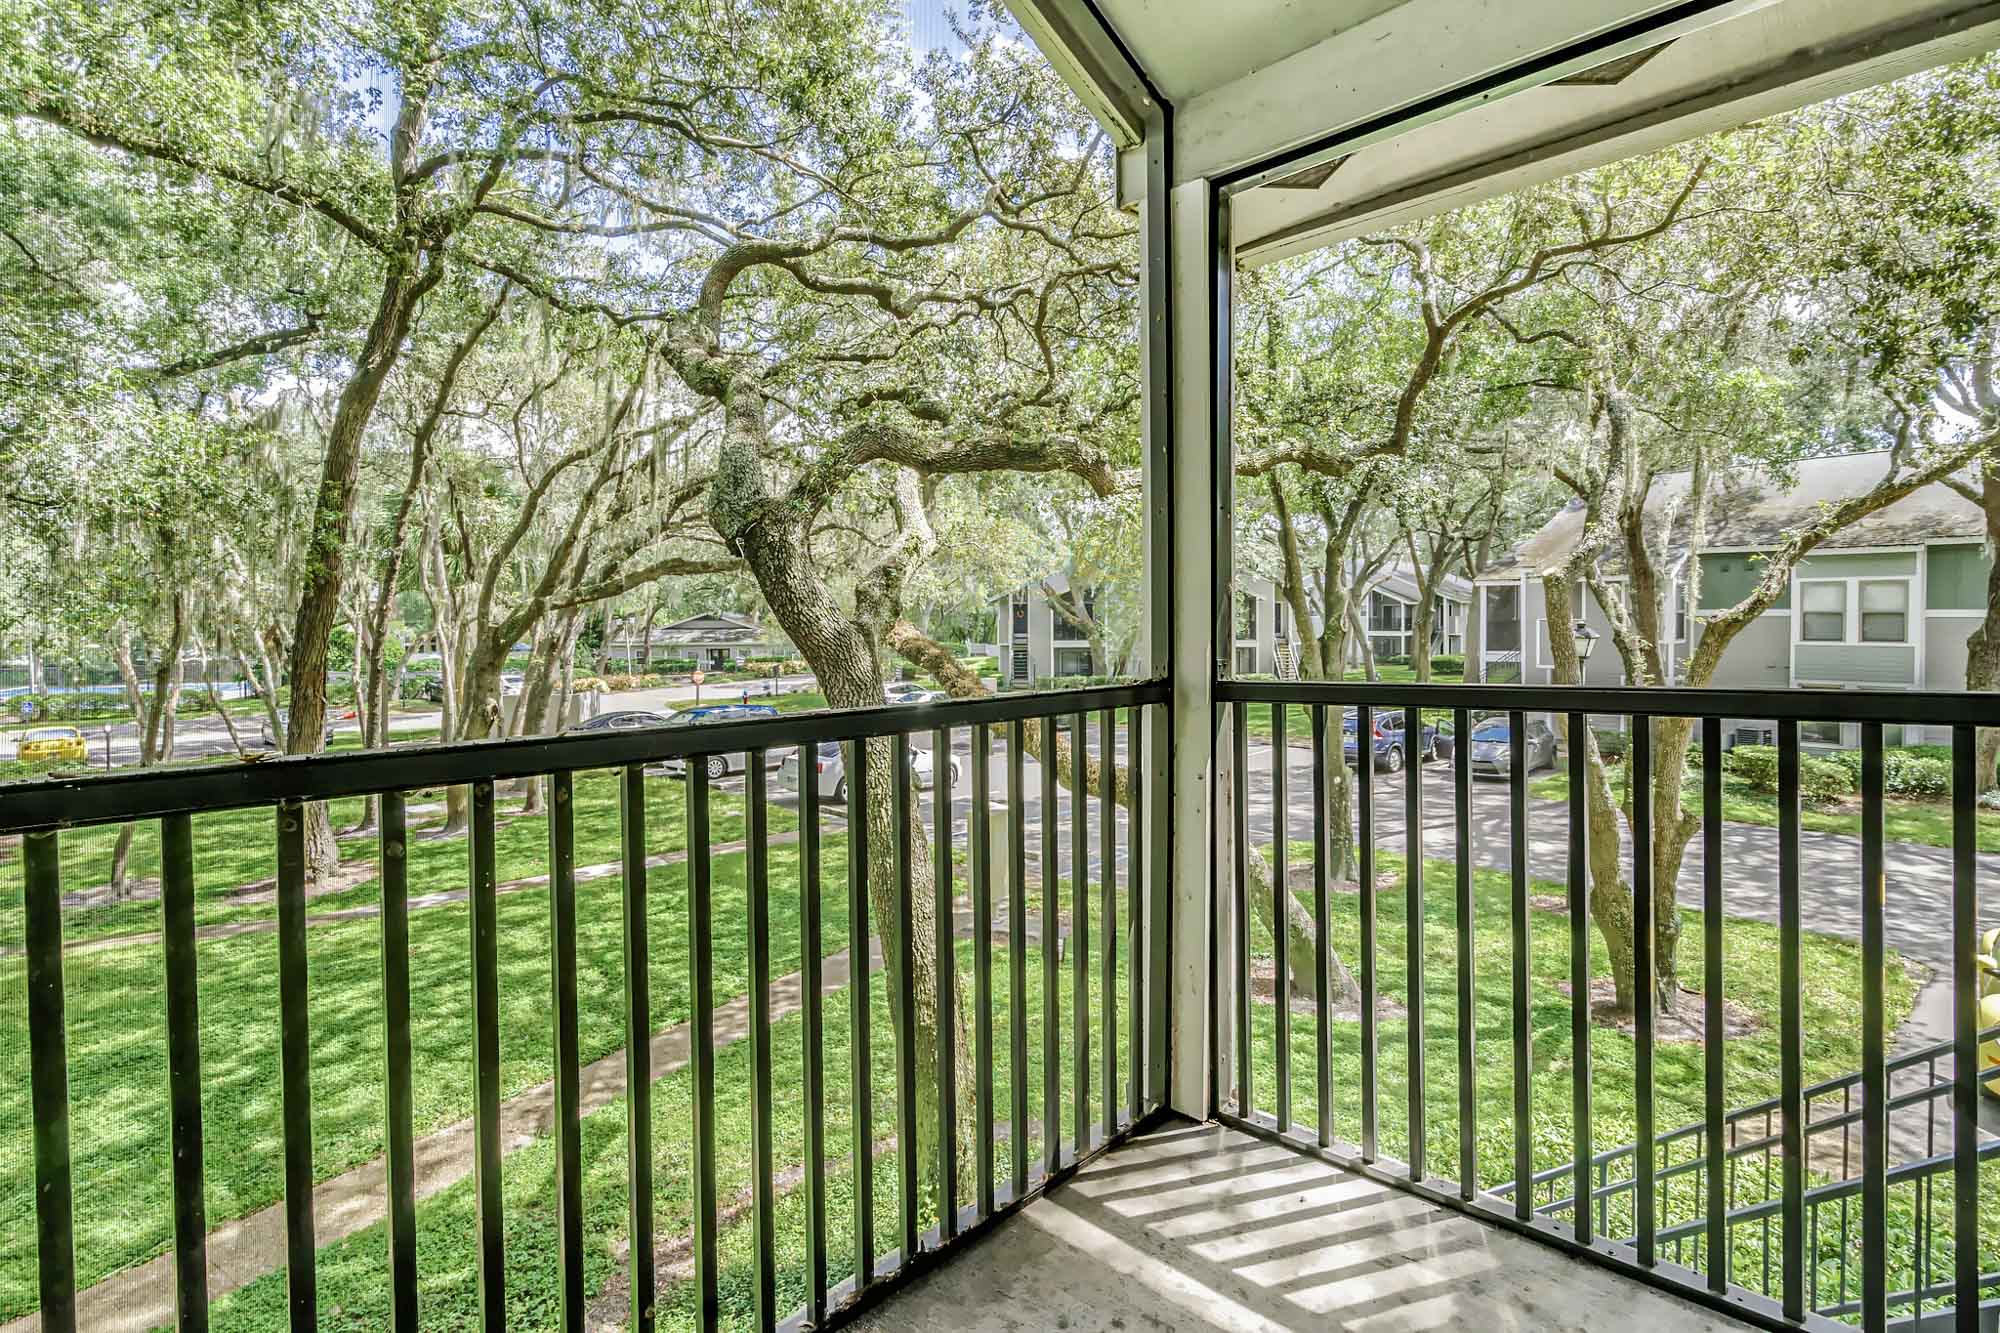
[1989,1009]
[44,743]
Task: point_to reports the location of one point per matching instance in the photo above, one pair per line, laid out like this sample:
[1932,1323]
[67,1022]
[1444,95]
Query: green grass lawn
[118,1078]
[238,847]
[117,1069]
[1927,823]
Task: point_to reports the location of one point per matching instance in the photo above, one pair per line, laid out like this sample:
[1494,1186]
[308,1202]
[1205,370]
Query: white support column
[1194,574]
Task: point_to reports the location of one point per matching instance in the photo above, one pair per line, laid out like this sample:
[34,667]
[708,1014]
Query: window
[1385,614]
[1885,611]
[1246,661]
[1246,615]
[1278,620]
[1072,661]
[1502,630]
[1680,613]
[1821,733]
[1020,618]
[1823,612]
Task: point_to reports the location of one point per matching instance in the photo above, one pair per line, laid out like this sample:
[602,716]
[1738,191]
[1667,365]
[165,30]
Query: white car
[830,766]
[909,692]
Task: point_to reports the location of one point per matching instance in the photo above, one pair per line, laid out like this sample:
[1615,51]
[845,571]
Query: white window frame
[1850,628]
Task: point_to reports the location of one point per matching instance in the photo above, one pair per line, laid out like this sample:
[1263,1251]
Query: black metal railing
[1919,1112]
[1669,1225]
[875,748]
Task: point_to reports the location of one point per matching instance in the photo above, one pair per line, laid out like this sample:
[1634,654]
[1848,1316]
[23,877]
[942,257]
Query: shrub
[1401,659]
[1908,774]
[1755,764]
[74,707]
[1611,744]
[588,685]
[1449,664]
[1822,782]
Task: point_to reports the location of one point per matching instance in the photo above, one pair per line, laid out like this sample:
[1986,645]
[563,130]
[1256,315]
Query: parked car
[909,692]
[428,688]
[830,768]
[46,743]
[717,765]
[1492,747]
[272,742]
[510,684]
[626,719]
[1391,747]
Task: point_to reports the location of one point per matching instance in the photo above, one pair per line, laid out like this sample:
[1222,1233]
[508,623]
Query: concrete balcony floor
[1198,1227]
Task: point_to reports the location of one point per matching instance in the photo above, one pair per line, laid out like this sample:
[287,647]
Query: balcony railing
[1771,1211]
[1092,1071]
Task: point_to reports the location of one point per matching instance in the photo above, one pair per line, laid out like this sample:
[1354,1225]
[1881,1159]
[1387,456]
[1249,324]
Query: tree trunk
[1982,647]
[1610,895]
[1300,952]
[333,515]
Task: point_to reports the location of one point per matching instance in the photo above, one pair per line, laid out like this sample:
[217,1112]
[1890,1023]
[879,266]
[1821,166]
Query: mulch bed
[1264,986]
[1687,1026]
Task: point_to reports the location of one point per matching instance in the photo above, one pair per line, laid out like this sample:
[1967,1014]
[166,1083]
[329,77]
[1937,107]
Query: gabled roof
[710,627]
[1400,582]
[1748,511]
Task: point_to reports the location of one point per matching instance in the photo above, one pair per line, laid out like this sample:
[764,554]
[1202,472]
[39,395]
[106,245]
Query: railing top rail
[1933,707]
[150,793]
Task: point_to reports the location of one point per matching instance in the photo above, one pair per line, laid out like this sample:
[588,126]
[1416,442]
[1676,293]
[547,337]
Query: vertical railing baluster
[484,915]
[1717,1228]
[184,1072]
[1107,855]
[1874,1010]
[1520,946]
[1079,930]
[757,926]
[980,831]
[701,1036]
[1577,744]
[861,1060]
[48,1059]
[1135,909]
[1017,957]
[1791,1047]
[1468,1003]
[1218,1074]
[904,1003]
[398,1089]
[812,1036]
[295,1070]
[1965,1232]
[568,1052]
[945,930]
[1641,762]
[1281,971]
[1051,969]
[1364,772]
[1413,931]
[1246,1101]
[1322,965]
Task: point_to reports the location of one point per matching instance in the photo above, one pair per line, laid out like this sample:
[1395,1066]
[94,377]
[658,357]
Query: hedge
[1821,781]
[1449,664]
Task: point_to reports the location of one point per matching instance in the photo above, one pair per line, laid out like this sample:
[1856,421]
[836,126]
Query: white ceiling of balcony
[1190,46]
[1251,79]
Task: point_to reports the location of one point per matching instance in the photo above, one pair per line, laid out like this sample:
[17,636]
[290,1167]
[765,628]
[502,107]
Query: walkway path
[241,1251]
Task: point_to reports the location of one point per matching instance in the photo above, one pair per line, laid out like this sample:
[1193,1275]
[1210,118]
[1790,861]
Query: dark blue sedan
[1392,748]
[718,765]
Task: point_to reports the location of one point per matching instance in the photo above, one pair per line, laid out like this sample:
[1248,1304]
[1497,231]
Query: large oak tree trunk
[1982,647]
[403,286]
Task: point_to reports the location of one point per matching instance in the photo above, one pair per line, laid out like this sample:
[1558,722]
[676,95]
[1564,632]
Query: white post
[1193,580]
